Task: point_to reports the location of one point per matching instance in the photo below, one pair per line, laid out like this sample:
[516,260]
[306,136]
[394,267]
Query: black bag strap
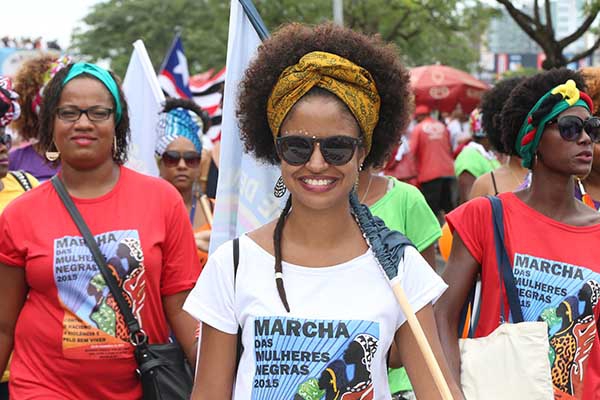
[236,263]
[138,336]
[21,177]
[504,268]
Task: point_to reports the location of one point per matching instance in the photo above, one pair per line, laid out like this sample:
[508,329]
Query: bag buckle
[138,338]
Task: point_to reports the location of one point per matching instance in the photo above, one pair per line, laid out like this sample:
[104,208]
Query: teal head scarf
[557,100]
[103,76]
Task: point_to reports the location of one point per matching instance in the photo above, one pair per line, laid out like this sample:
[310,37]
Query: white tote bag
[512,362]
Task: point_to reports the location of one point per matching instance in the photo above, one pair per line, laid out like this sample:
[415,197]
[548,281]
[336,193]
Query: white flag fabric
[245,198]
[144,98]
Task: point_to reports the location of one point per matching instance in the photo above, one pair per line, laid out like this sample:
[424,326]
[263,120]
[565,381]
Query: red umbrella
[443,88]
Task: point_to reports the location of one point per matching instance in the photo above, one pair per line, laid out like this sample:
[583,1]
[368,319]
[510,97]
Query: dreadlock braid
[277,246]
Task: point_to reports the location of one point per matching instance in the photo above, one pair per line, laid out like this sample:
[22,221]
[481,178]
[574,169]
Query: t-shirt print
[564,296]
[93,326]
[305,359]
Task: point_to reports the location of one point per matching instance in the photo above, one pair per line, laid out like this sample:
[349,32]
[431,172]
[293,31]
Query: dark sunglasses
[6,140]
[297,150]
[571,126]
[171,158]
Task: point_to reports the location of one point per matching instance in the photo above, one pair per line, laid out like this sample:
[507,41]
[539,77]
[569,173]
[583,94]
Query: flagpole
[338,12]
[173,43]
[255,19]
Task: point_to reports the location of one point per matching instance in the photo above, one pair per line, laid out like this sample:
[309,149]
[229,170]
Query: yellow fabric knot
[569,92]
[351,83]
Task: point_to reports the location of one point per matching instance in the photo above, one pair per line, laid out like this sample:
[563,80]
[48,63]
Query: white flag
[144,98]
[245,198]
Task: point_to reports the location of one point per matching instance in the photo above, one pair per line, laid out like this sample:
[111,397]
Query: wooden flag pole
[415,326]
[205,204]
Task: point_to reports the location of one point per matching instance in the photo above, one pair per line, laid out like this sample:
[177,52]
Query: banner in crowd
[245,188]
[174,76]
[144,98]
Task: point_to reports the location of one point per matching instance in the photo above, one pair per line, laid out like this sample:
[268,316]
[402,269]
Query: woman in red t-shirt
[551,238]
[70,339]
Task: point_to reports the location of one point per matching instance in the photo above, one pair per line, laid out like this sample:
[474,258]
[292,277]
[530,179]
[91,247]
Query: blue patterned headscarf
[175,123]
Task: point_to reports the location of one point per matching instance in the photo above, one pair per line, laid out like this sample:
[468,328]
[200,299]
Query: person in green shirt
[403,208]
[475,159]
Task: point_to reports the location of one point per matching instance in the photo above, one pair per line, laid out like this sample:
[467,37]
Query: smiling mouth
[318,182]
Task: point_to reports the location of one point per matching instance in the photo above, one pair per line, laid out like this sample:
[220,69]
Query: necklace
[367,191]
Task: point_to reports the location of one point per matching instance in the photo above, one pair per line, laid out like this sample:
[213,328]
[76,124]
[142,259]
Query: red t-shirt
[70,339]
[557,273]
[430,144]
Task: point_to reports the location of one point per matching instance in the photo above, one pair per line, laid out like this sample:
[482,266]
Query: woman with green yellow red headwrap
[319,102]
[551,237]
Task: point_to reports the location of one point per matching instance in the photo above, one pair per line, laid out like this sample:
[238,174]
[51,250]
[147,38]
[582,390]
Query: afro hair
[491,107]
[524,96]
[292,42]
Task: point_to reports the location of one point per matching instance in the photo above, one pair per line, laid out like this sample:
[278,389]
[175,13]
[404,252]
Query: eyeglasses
[6,140]
[171,158]
[94,114]
[571,126]
[297,150]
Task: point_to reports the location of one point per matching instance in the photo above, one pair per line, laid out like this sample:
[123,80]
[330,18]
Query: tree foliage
[539,26]
[425,31]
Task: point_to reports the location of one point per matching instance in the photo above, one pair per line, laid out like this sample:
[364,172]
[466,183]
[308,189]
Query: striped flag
[207,92]
[174,75]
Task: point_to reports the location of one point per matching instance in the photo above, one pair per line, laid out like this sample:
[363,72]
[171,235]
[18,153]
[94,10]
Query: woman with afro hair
[511,175]
[551,238]
[319,102]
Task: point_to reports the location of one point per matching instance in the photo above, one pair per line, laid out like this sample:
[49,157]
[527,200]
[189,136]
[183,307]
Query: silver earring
[279,189]
[115,149]
[53,155]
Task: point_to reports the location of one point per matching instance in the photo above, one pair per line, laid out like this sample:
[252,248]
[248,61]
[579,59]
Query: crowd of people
[300,308]
[28,43]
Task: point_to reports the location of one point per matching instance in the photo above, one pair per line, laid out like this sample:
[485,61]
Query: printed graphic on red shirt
[93,326]
[564,296]
[303,359]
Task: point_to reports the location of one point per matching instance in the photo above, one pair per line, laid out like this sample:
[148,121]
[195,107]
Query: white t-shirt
[337,335]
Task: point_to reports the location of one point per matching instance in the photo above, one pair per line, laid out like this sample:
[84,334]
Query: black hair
[292,42]
[491,106]
[50,102]
[526,94]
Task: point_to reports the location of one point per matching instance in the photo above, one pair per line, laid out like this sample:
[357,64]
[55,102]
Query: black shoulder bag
[163,368]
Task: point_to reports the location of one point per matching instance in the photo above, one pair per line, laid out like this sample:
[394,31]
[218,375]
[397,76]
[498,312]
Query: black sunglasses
[171,158]
[297,150]
[571,126]
[6,140]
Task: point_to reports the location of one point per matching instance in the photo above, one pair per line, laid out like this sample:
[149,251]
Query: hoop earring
[115,149]
[279,189]
[53,155]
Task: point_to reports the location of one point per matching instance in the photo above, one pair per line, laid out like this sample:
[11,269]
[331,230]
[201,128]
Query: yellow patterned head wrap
[352,84]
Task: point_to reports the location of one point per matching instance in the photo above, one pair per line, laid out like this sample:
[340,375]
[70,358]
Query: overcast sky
[48,19]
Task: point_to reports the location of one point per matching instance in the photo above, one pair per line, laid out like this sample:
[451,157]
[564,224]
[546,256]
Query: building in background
[508,48]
